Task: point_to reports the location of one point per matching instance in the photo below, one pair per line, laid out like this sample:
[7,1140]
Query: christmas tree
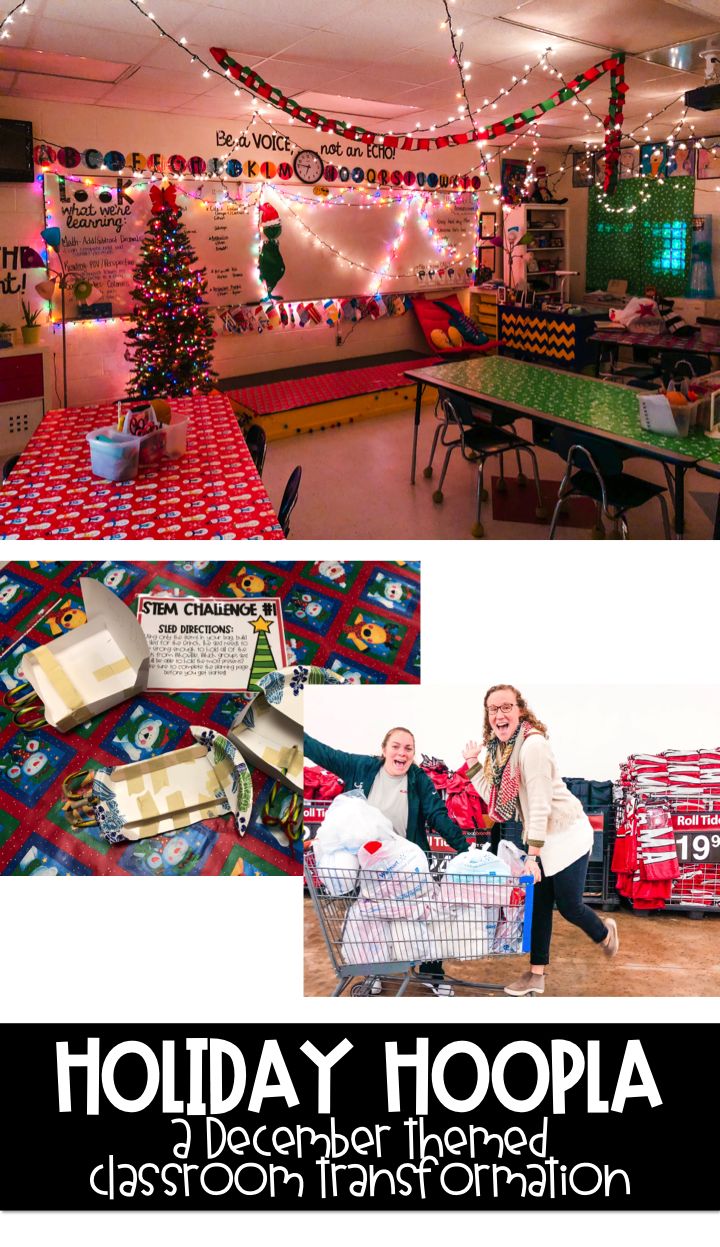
[263,661]
[171,342]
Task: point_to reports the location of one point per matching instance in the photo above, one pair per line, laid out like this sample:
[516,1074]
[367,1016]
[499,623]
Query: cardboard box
[269,730]
[164,794]
[93,667]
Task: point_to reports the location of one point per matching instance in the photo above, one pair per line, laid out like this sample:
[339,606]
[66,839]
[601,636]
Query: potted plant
[30,329]
[6,334]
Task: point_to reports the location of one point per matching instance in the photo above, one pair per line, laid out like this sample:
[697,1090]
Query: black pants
[564,889]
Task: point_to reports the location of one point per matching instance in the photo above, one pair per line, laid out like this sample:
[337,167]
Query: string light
[9,18]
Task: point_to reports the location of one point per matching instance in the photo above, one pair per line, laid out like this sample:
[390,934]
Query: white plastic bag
[395,878]
[641,315]
[365,938]
[350,821]
[411,940]
[508,936]
[462,932]
[513,857]
[476,878]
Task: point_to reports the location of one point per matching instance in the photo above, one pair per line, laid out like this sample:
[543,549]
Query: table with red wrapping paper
[213,492]
[360,619]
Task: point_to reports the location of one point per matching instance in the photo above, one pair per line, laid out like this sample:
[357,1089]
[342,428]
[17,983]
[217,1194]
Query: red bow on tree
[162,197]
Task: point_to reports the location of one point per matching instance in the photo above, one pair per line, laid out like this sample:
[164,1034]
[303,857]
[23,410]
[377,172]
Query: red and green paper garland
[356,134]
[613,124]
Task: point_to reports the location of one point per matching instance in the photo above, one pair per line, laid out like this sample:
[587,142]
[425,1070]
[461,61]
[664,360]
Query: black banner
[368,1118]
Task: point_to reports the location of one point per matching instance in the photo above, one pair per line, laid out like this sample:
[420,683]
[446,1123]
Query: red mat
[327,387]
[518,504]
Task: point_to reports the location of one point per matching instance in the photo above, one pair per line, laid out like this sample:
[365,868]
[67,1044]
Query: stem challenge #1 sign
[211,644]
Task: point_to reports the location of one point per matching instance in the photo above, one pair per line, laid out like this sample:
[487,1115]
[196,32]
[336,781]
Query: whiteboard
[330,250]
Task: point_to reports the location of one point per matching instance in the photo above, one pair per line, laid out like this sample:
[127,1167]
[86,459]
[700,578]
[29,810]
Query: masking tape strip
[111,669]
[135,784]
[280,758]
[58,678]
[159,778]
[147,805]
[174,802]
[161,763]
[160,824]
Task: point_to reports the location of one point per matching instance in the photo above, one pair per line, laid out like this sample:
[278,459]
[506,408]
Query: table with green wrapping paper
[554,397]
[709,465]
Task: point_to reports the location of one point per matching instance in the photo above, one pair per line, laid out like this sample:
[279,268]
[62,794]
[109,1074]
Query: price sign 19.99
[697,836]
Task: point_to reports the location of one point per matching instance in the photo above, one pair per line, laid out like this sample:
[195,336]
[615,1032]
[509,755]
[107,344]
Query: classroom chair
[614,491]
[256,441]
[289,500]
[479,440]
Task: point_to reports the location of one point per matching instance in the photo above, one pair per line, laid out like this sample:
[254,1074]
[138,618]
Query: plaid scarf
[505,779]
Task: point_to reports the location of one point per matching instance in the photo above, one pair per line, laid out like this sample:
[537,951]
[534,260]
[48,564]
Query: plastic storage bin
[150,446]
[114,456]
[176,436]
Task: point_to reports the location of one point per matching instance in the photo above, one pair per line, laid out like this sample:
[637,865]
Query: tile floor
[661,954]
[356,483]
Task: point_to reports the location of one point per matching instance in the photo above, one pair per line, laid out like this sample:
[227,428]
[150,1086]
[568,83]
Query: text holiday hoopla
[352,1118]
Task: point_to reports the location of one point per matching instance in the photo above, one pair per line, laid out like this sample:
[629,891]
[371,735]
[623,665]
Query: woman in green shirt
[396,786]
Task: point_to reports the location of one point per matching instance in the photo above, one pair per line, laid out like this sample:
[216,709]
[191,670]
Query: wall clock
[308,166]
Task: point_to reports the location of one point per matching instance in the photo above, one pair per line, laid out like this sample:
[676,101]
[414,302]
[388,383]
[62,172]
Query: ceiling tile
[45,87]
[66,38]
[59,64]
[654,22]
[294,78]
[308,13]
[143,95]
[220,28]
[121,17]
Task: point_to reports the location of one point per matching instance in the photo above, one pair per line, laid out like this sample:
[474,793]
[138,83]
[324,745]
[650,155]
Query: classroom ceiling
[383,63]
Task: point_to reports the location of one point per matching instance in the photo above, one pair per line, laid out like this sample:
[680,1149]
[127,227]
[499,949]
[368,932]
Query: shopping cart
[381,928]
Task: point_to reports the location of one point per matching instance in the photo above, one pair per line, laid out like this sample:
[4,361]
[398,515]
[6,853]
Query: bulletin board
[642,233]
[329,249]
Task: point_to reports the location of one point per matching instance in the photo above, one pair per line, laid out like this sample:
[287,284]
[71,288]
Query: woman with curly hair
[519,777]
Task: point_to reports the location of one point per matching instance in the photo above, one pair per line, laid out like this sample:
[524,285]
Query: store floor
[660,955]
[356,481]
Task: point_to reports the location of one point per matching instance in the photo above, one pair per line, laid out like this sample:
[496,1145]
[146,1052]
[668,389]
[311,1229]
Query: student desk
[213,492]
[693,344]
[561,398]
[709,465]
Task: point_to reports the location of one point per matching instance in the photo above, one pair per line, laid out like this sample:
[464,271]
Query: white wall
[97,368]
[592,728]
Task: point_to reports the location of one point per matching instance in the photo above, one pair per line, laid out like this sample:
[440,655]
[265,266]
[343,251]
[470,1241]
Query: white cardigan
[553,820]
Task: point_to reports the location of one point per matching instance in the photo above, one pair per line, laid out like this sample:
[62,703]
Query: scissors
[26,708]
[79,803]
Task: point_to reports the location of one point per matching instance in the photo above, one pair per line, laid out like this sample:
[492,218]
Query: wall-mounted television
[16,151]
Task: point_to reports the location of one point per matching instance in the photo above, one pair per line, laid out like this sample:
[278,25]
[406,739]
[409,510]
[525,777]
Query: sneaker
[528,984]
[440,988]
[612,942]
[438,985]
